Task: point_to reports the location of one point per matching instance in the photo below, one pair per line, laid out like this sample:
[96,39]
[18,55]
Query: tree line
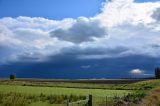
[157,73]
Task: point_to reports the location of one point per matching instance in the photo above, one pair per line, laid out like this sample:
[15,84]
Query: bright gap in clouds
[137,72]
[123,28]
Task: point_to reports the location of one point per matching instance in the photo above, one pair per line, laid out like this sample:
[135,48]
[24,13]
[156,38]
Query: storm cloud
[156,15]
[124,36]
[67,66]
[82,30]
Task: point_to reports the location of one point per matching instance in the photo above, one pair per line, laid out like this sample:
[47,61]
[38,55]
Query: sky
[76,39]
[50,9]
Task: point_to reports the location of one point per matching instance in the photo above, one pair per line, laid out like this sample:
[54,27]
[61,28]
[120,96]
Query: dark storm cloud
[67,66]
[156,15]
[77,51]
[82,30]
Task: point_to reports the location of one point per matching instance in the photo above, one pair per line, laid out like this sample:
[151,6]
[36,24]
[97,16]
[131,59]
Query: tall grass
[19,99]
[130,99]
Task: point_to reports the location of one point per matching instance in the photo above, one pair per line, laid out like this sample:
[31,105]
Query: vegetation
[59,91]
[142,85]
[157,73]
[20,99]
[152,99]
[98,94]
[147,94]
[13,76]
[132,99]
[30,93]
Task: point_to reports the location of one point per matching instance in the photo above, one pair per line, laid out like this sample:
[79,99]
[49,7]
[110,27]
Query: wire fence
[95,101]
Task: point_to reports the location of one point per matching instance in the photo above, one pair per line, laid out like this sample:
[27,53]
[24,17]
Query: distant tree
[157,73]
[13,76]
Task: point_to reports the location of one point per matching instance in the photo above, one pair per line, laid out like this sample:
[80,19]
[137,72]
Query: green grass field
[98,94]
[57,90]
[99,91]
[135,86]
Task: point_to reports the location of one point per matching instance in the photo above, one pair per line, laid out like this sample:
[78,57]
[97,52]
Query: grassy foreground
[46,93]
[98,94]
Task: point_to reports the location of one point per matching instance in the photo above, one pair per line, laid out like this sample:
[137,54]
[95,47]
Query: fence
[94,101]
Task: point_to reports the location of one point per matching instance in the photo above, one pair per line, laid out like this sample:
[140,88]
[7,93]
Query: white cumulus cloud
[137,71]
[119,12]
[124,27]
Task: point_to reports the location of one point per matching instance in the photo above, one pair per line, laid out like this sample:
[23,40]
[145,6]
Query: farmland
[57,91]
[70,90]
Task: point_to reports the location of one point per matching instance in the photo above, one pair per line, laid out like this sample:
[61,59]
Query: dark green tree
[157,73]
[13,76]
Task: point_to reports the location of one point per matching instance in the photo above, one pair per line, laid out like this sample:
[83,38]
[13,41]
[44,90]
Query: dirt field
[100,81]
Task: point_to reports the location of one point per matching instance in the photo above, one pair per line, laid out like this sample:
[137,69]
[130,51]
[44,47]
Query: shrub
[13,76]
[135,97]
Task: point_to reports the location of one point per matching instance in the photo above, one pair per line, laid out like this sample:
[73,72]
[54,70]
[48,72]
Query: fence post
[106,100]
[90,100]
[67,102]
